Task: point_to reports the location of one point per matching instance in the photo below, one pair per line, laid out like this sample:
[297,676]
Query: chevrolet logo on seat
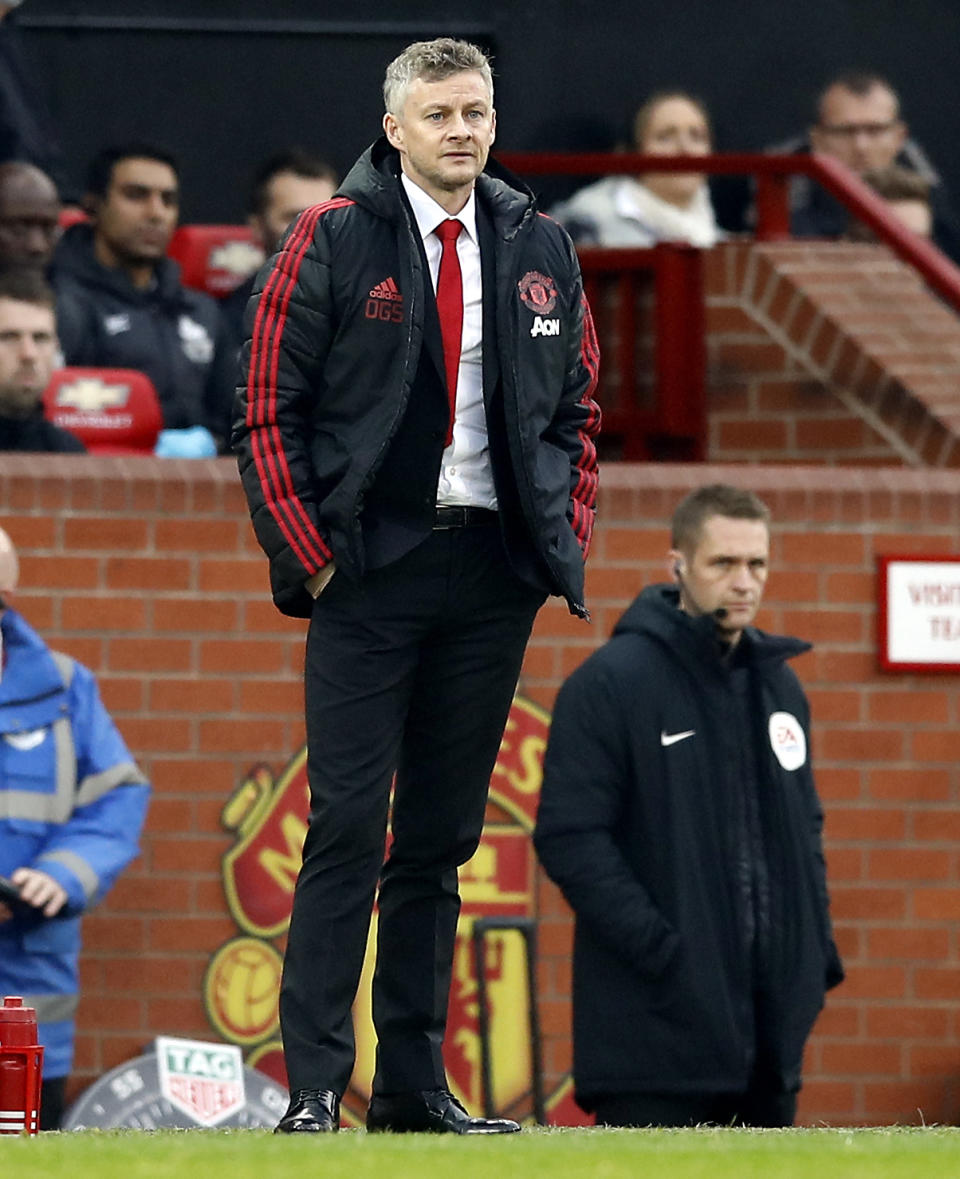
[92,395]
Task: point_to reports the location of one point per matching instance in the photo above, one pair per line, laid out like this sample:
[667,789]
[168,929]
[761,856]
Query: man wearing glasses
[859,123]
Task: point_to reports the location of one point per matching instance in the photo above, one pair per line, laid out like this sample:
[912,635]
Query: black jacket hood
[74,258]
[372,181]
[656,612]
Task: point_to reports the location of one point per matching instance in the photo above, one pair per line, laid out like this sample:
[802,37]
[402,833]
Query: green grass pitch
[534,1154]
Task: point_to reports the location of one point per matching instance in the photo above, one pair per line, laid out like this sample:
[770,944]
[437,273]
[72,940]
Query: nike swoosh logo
[673,738]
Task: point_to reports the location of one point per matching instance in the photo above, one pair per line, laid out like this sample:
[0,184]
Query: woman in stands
[656,206]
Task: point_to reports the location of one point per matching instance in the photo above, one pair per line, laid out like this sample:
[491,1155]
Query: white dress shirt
[466,476]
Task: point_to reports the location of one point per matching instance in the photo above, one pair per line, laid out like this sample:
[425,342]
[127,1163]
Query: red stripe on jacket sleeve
[584,494]
[269,455]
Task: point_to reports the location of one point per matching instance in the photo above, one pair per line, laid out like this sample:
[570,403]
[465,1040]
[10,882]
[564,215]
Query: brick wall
[828,352]
[147,571]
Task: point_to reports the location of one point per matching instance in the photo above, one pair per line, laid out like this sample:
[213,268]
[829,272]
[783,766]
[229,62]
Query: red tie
[450,309]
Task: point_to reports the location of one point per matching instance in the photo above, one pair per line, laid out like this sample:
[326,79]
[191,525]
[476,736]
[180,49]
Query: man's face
[863,131]
[29,220]
[28,348]
[137,217]
[444,133]
[287,196]
[727,568]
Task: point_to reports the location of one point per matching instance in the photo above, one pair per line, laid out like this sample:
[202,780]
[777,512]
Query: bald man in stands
[29,216]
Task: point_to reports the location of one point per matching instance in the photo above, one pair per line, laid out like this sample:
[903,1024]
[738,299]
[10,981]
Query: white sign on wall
[919,613]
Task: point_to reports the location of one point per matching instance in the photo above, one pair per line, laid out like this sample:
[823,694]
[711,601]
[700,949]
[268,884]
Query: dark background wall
[224,83]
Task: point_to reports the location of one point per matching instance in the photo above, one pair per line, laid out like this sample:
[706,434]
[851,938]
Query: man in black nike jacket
[679,817]
[415,438]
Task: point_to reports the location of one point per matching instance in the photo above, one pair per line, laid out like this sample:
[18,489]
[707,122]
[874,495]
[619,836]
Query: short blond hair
[432,61]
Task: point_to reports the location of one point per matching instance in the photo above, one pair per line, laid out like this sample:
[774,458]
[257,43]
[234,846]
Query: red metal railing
[671,423]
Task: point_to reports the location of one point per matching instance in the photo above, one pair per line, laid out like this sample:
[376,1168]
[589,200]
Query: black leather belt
[463,517]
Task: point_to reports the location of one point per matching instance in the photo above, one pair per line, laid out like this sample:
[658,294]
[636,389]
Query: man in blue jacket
[679,817]
[72,804]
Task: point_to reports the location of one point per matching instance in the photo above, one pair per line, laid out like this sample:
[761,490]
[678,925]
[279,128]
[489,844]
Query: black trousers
[53,1093]
[762,1103]
[412,672]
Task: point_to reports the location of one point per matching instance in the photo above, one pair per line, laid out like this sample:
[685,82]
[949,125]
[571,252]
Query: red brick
[147,573]
[909,945]
[59,572]
[900,1021]
[937,904]
[179,1017]
[908,1103]
[111,932]
[153,895]
[909,708]
[114,1013]
[825,1103]
[854,1058]
[834,783]
[152,734]
[871,903]
[820,549]
[190,933]
[201,615]
[937,745]
[874,982]
[862,745]
[103,613]
[104,533]
[243,736]
[838,1020]
[197,536]
[936,826]
[752,434]
[909,785]
[196,696]
[937,982]
[242,656]
[909,863]
[143,654]
[927,1060]
[865,823]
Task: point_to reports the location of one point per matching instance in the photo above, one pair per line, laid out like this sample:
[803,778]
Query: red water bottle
[21,1068]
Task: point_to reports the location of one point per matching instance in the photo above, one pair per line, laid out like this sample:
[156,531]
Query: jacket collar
[656,612]
[374,183]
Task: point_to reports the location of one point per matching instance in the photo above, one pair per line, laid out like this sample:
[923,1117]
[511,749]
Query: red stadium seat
[71,215]
[111,410]
[215,258]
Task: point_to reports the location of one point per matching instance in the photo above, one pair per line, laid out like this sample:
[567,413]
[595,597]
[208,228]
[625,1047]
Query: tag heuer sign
[203,1080]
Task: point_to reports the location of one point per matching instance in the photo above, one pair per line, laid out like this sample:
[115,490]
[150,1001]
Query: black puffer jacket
[334,341]
[174,335]
[636,795]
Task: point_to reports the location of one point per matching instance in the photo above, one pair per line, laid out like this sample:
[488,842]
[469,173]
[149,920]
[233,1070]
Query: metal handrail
[772,173]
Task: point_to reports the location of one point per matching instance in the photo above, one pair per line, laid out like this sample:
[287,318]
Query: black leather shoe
[311,1111]
[435,1111]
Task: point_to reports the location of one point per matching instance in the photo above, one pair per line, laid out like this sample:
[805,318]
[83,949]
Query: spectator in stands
[657,206]
[283,186]
[859,123]
[908,197]
[28,355]
[26,129]
[120,299]
[72,803]
[29,213]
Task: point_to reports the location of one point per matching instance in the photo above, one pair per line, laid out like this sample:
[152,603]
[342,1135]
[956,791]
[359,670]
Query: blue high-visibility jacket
[72,804]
